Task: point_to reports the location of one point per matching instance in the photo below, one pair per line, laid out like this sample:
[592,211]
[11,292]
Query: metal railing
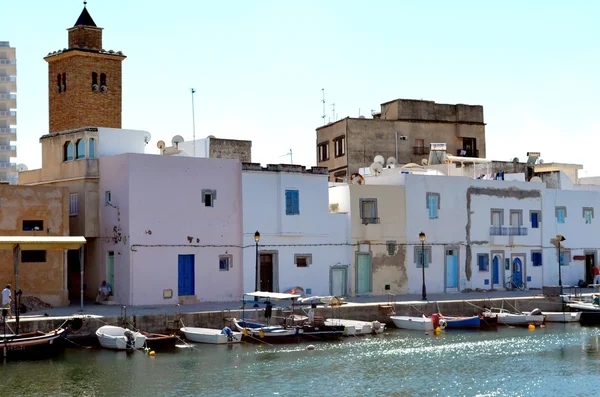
[8,130]
[508,231]
[8,96]
[517,231]
[8,79]
[367,221]
[6,164]
[11,113]
[8,61]
[420,150]
[467,153]
[498,231]
[8,147]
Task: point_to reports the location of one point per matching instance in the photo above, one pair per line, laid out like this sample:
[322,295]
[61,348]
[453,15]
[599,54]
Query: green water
[556,360]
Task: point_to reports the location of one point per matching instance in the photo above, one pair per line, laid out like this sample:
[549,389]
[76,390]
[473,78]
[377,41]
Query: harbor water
[556,360]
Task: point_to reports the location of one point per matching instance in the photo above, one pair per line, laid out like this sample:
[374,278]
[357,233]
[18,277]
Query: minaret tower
[84,80]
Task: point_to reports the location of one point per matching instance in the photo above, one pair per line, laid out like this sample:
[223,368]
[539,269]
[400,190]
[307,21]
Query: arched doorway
[497,271]
[517,271]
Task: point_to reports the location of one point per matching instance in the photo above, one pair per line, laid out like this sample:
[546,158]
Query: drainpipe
[396,145]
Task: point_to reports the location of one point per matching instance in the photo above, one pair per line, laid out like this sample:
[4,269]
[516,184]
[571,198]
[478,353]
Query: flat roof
[28,243]
[272,295]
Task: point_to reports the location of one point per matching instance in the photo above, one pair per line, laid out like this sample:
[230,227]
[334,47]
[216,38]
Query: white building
[479,233]
[301,243]
[8,112]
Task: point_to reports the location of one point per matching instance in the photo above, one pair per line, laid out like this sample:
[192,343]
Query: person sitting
[596,273]
[104,292]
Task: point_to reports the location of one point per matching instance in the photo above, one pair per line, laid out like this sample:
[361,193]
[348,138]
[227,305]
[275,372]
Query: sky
[259,66]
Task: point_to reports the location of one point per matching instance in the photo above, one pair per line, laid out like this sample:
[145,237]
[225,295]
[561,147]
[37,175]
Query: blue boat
[460,322]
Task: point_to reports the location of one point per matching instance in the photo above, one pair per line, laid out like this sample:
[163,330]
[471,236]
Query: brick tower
[84,80]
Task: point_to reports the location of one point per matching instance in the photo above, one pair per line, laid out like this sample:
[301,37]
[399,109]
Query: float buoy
[443,324]
[152,353]
[261,333]
[310,347]
[438,331]
[531,327]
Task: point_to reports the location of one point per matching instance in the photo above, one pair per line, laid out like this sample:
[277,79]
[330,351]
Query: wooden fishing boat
[488,321]
[357,328]
[160,341]
[413,323]
[32,345]
[256,332]
[118,338]
[214,336]
[459,322]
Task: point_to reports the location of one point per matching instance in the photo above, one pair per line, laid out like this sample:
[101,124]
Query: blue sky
[259,67]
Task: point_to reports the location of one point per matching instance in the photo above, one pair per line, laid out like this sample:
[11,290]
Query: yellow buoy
[531,327]
[438,331]
[245,331]
[261,333]
[152,353]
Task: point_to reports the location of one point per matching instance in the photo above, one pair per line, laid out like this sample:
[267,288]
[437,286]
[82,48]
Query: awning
[272,295]
[29,243]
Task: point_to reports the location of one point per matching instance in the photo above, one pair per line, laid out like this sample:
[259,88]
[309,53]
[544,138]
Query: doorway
[451,270]
[110,270]
[469,147]
[497,271]
[518,269]
[266,273]
[363,273]
[73,275]
[186,275]
[590,262]
[338,276]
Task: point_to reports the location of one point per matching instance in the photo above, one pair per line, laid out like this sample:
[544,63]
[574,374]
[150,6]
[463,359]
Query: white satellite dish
[376,168]
[147,137]
[379,159]
[22,167]
[161,145]
[391,162]
[536,179]
[177,139]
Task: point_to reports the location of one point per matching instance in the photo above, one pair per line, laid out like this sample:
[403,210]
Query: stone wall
[231,149]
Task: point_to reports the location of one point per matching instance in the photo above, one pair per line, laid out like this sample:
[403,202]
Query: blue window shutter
[534,220]
[432,207]
[296,202]
[292,202]
[560,216]
[288,202]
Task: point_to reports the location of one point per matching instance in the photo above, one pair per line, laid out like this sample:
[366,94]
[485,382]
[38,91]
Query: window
[58,85]
[103,79]
[391,247]
[339,176]
[292,202]
[422,256]
[561,214]
[208,197]
[536,258]
[64,82]
[368,210]
[68,151]
[565,257]
[588,214]
[302,260]
[33,256]
[80,149]
[73,204]
[483,262]
[94,81]
[419,147]
[536,218]
[323,151]
[33,225]
[91,148]
[516,217]
[107,198]
[433,204]
[340,146]
[225,263]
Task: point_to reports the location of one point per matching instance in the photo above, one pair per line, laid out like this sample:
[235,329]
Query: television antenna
[289,154]
[323,100]
[193,90]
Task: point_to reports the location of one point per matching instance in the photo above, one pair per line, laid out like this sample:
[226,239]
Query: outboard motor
[536,312]
[227,331]
[130,339]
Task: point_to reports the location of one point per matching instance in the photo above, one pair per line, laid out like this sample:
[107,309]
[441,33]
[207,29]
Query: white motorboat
[561,317]
[508,318]
[414,323]
[355,327]
[212,335]
[117,338]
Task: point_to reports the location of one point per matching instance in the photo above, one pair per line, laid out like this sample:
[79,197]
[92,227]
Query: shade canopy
[31,243]
[272,295]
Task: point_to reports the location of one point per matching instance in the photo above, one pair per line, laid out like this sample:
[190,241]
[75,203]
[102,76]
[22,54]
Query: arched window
[91,148]
[80,149]
[103,79]
[94,80]
[64,82]
[68,151]
[58,89]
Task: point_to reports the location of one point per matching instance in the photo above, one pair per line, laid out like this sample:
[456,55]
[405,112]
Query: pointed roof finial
[85,18]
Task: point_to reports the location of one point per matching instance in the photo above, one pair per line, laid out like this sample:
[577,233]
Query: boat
[118,338]
[459,322]
[413,323]
[535,317]
[561,317]
[214,336]
[32,345]
[488,321]
[590,313]
[256,332]
[156,341]
[355,327]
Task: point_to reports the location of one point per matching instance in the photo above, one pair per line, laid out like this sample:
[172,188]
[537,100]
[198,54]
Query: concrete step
[188,300]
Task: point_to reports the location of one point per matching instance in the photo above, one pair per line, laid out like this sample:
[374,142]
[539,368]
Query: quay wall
[171,323]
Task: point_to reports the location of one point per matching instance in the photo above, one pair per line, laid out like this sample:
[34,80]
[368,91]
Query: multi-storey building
[8,112]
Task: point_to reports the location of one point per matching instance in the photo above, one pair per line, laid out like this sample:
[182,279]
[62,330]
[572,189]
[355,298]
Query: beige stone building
[403,129]
[36,211]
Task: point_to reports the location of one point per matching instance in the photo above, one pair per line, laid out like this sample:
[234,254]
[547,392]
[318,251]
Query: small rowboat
[456,322]
[213,336]
[413,323]
[117,338]
[156,341]
[32,345]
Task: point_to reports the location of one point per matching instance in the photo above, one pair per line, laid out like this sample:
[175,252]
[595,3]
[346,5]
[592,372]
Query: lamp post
[422,238]
[559,238]
[256,240]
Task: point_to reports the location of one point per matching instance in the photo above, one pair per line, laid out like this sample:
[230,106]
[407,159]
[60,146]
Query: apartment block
[8,112]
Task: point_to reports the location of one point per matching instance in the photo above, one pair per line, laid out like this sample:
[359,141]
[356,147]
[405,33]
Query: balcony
[8,79]
[467,153]
[420,150]
[8,61]
[517,231]
[6,164]
[8,96]
[10,133]
[9,113]
[498,231]
[508,231]
[11,150]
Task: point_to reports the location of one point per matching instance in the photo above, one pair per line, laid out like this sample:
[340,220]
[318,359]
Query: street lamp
[559,238]
[256,240]
[422,238]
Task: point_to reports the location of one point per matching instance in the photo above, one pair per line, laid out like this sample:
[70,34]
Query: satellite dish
[376,168]
[177,139]
[210,136]
[147,137]
[161,145]
[536,179]
[540,161]
[515,160]
[22,167]
[424,162]
[391,161]
[379,159]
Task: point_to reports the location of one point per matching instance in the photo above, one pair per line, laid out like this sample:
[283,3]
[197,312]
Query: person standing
[596,275]
[7,299]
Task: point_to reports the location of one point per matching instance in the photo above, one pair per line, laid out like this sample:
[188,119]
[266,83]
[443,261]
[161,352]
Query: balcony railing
[8,61]
[8,79]
[8,130]
[7,147]
[8,96]
[467,153]
[366,221]
[6,164]
[10,113]
[508,231]
[420,150]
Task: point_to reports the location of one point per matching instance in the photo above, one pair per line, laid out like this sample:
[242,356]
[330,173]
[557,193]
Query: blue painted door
[517,270]
[451,271]
[186,275]
[363,273]
[496,270]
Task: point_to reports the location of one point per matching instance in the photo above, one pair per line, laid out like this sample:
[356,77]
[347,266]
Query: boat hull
[488,321]
[355,327]
[210,335]
[160,341]
[32,346]
[590,313]
[562,317]
[412,323]
[473,322]
[322,332]
[520,319]
[258,333]
[113,338]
